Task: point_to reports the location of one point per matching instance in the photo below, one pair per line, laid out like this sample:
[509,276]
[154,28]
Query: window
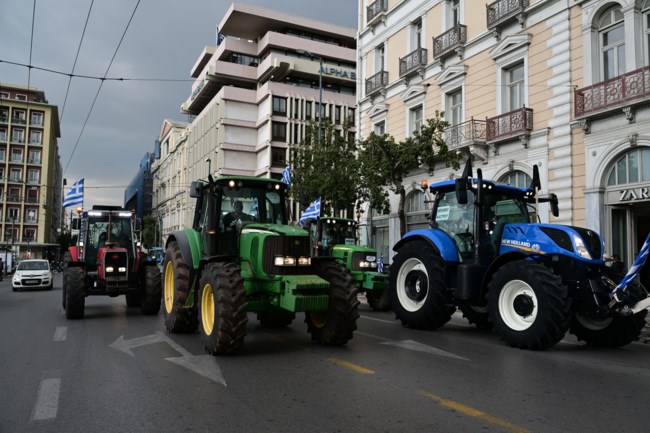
[37,118]
[16,155]
[415,118]
[3,155]
[380,53]
[278,157]
[416,35]
[351,116]
[279,131]
[33,176]
[36,137]
[18,136]
[515,80]
[4,95]
[612,42]
[415,202]
[454,112]
[3,135]
[517,178]
[307,110]
[16,174]
[646,11]
[2,173]
[279,105]
[380,128]
[632,167]
[455,12]
[337,114]
[21,97]
[31,218]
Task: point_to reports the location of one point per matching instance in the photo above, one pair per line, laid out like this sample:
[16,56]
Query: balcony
[503,12]
[377,83]
[624,93]
[413,63]
[376,12]
[18,121]
[450,42]
[469,136]
[515,124]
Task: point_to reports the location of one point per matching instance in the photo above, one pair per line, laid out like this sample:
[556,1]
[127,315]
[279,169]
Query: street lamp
[320,88]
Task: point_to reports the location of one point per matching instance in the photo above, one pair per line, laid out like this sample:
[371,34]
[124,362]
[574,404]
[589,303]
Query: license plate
[31,282]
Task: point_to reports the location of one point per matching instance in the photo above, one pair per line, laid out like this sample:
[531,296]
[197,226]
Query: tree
[149,231]
[326,168]
[384,163]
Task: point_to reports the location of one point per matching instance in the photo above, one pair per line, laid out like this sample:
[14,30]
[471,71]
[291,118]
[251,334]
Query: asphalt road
[119,371]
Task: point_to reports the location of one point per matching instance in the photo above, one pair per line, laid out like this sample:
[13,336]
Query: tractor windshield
[260,204]
[332,231]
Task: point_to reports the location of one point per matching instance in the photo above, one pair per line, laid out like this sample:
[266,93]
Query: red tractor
[108,260]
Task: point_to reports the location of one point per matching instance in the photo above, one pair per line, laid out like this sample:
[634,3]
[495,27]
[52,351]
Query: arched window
[415,202]
[611,35]
[646,28]
[632,167]
[517,178]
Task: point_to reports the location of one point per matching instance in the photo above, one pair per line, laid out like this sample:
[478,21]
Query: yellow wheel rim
[207,309]
[318,318]
[169,287]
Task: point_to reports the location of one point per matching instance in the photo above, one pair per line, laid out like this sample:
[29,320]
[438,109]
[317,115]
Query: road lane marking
[392,322]
[60,333]
[350,366]
[419,347]
[47,401]
[474,413]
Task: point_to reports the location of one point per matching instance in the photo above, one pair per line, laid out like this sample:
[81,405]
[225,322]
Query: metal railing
[448,41]
[376,82]
[613,93]
[412,61]
[375,9]
[509,124]
[465,134]
[501,11]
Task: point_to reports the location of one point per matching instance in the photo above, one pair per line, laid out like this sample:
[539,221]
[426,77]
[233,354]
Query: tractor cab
[103,230]
[327,232]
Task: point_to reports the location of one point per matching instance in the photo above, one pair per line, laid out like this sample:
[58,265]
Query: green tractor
[241,256]
[337,237]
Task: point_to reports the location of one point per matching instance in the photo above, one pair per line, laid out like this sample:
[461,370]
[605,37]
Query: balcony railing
[465,134]
[18,121]
[453,39]
[375,10]
[502,11]
[514,123]
[412,62]
[376,83]
[4,119]
[616,92]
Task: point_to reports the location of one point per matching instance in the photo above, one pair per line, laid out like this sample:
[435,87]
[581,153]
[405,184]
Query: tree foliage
[326,168]
[384,163]
[149,231]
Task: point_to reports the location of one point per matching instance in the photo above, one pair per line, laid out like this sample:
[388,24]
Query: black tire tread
[181,319]
[75,299]
[151,291]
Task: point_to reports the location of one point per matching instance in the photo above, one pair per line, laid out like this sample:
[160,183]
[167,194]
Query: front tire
[151,291]
[477,315]
[529,306]
[223,308]
[178,318]
[75,299]
[336,325]
[610,331]
[417,289]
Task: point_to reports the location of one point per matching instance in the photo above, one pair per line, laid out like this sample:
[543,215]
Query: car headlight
[581,249]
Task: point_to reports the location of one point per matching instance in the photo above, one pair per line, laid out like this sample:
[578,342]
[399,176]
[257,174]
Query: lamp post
[320,88]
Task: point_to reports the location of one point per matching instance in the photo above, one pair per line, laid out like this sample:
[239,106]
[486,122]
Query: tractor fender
[435,237]
[500,261]
[189,243]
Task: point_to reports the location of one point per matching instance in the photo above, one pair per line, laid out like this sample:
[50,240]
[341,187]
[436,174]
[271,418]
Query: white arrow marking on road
[419,347]
[205,365]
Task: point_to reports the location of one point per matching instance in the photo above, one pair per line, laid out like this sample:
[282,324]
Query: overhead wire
[100,87]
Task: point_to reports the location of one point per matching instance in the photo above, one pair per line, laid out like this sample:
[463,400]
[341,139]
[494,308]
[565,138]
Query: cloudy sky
[162,43]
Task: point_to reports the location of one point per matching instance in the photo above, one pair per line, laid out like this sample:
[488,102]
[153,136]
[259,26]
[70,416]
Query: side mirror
[461,190]
[195,189]
[555,208]
[536,183]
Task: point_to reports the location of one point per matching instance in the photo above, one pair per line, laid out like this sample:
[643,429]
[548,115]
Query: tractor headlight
[109,269]
[304,261]
[367,264]
[285,261]
[581,249]
[121,269]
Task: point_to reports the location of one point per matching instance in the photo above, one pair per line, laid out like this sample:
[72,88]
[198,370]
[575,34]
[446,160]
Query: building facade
[170,180]
[503,73]
[30,172]
[260,87]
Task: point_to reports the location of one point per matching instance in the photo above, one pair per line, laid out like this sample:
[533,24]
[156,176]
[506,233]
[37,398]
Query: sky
[105,144]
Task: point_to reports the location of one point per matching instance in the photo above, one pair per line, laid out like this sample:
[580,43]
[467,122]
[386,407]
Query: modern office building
[30,172]
[260,86]
[564,85]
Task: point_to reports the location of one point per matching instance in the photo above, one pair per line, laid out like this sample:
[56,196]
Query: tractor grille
[285,246]
[116,259]
[357,258]
[592,241]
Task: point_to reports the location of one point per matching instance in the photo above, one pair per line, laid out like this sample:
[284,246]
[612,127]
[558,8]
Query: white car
[32,274]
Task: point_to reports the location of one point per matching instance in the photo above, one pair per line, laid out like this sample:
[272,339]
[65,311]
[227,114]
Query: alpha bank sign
[339,73]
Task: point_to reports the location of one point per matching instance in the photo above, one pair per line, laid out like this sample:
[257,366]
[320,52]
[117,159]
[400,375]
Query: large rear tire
[477,315]
[75,299]
[378,299]
[67,258]
[133,300]
[336,325]
[178,318]
[608,332]
[223,307]
[151,291]
[529,306]
[416,285]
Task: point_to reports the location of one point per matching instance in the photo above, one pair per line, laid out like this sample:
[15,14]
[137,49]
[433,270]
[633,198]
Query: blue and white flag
[76,194]
[380,264]
[312,212]
[286,175]
[634,270]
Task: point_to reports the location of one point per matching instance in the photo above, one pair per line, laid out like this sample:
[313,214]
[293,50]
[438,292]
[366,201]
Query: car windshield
[35,265]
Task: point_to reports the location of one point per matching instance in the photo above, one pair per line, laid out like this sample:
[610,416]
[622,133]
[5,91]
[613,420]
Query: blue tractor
[487,255]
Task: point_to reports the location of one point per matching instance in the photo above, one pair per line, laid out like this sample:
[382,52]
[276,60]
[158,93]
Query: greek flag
[286,175]
[312,212]
[76,194]
[634,270]
[380,264]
